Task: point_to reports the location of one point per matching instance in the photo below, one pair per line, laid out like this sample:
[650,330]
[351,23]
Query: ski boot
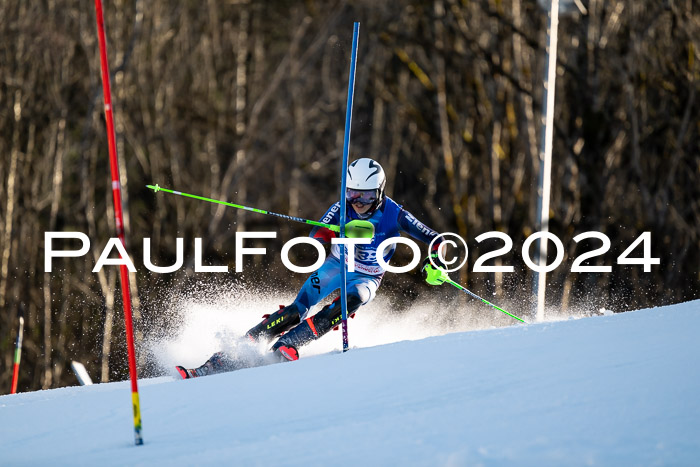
[285,353]
[275,324]
[216,364]
[313,328]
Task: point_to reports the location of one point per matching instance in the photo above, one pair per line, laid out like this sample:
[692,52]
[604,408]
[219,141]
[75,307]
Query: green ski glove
[431,274]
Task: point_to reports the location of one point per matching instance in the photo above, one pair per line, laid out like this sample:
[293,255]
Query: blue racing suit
[389,220]
[291,322]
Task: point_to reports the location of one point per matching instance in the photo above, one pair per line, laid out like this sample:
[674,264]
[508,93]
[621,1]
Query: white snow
[620,389]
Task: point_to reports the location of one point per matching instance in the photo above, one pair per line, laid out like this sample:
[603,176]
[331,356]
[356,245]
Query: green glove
[431,274]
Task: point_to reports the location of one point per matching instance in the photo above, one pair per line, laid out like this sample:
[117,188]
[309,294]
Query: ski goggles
[363,197]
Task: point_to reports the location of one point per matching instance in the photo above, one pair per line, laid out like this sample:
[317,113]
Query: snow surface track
[612,390]
[215,317]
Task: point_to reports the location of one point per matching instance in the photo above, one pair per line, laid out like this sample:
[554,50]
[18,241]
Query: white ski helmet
[365,184]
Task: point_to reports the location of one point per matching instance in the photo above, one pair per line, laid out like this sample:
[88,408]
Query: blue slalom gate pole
[346,149]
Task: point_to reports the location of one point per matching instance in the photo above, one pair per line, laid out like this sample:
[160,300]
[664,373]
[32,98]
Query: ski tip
[155,187]
[182,371]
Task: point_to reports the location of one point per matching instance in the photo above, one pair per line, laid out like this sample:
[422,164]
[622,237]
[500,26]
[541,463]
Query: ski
[185,373]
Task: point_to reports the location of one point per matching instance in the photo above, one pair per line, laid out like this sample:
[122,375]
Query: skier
[365,195]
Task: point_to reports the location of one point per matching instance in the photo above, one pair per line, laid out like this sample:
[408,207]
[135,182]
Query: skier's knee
[297,308]
[358,296]
[355,301]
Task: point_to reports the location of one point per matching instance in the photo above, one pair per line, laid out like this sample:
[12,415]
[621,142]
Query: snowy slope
[611,390]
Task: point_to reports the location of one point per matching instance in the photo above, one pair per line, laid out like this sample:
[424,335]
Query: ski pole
[353,229]
[437,276]
[18,355]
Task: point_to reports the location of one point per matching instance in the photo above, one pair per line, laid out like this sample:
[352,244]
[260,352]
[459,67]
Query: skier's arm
[416,229]
[324,234]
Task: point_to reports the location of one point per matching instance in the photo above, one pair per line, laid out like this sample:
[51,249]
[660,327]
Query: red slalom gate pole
[119,221]
[18,355]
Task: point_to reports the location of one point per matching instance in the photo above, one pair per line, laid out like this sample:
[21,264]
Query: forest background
[244,101]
